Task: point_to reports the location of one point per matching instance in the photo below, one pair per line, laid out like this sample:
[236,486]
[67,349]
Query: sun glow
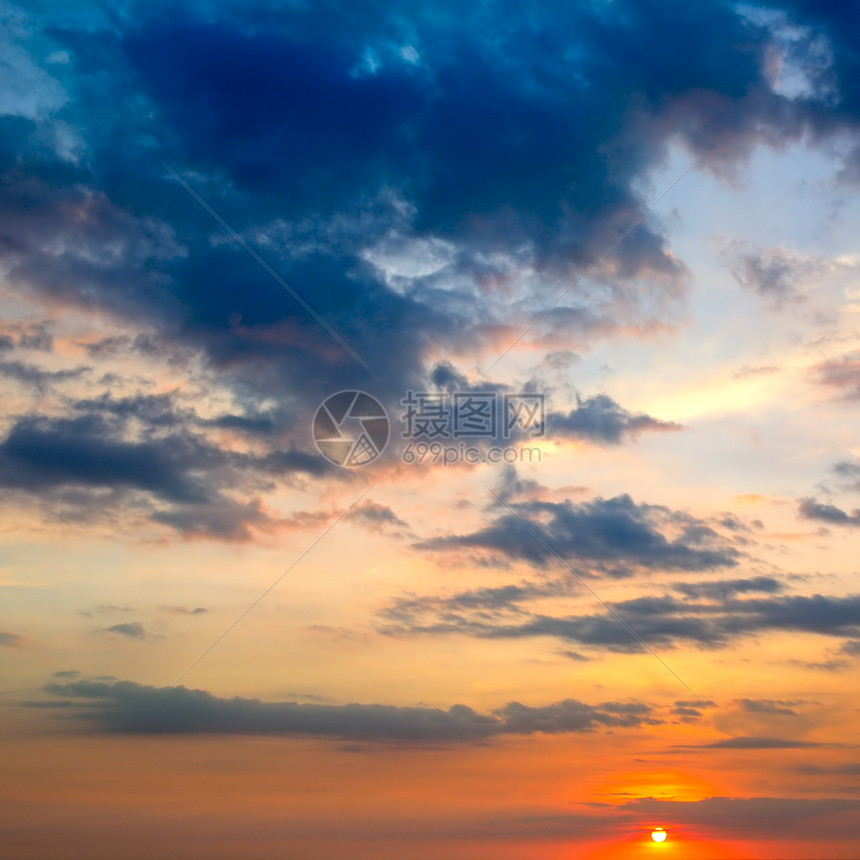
[658,834]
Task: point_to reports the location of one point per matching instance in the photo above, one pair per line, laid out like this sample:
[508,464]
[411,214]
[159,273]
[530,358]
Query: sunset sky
[217,643]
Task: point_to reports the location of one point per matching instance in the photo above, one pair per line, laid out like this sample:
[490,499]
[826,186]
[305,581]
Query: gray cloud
[490,602]
[375,515]
[847,468]
[729,587]
[124,706]
[775,274]
[601,419]
[812,509]
[130,630]
[713,621]
[772,707]
[616,534]
[184,610]
[12,640]
[38,336]
[692,710]
[38,378]
[758,743]
[154,454]
[572,716]
[841,374]
[598,418]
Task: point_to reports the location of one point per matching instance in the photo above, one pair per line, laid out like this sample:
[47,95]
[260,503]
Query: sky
[429,429]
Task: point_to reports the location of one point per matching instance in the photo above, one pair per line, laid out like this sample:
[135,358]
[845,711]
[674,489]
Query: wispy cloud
[13,640]
[707,618]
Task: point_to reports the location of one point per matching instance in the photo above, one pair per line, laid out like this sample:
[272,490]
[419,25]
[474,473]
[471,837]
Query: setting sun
[658,834]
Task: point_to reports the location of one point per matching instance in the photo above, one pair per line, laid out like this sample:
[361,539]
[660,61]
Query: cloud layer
[123,706]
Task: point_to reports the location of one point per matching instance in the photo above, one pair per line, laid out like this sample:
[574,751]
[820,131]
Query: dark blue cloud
[493,127]
[616,534]
[43,454]
[150,453]
[279,112]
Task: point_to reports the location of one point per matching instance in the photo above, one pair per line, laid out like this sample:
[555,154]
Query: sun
[658,834]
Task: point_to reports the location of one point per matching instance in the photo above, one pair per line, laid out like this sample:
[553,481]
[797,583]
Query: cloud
[713,621]
[757,743]
[218,518]
[597,419]
[842,374]
[795,820]
[601,419]
[848,471]
[511,485]
[616,534]
[763,370]
[774,707]
[184,610]
[729,587]
[575,656]
[823,818]
[124,706]
[36,336]
[485,601]
[377,516]
[38,378]
[414,219]
[42,454]
[572,716]
[814,510]
[696,703]
[686,714]
[12,640]
[692,710]
[29,91]
[775,274]
[130,630]
[850,769]
[157,457]
[429,161]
